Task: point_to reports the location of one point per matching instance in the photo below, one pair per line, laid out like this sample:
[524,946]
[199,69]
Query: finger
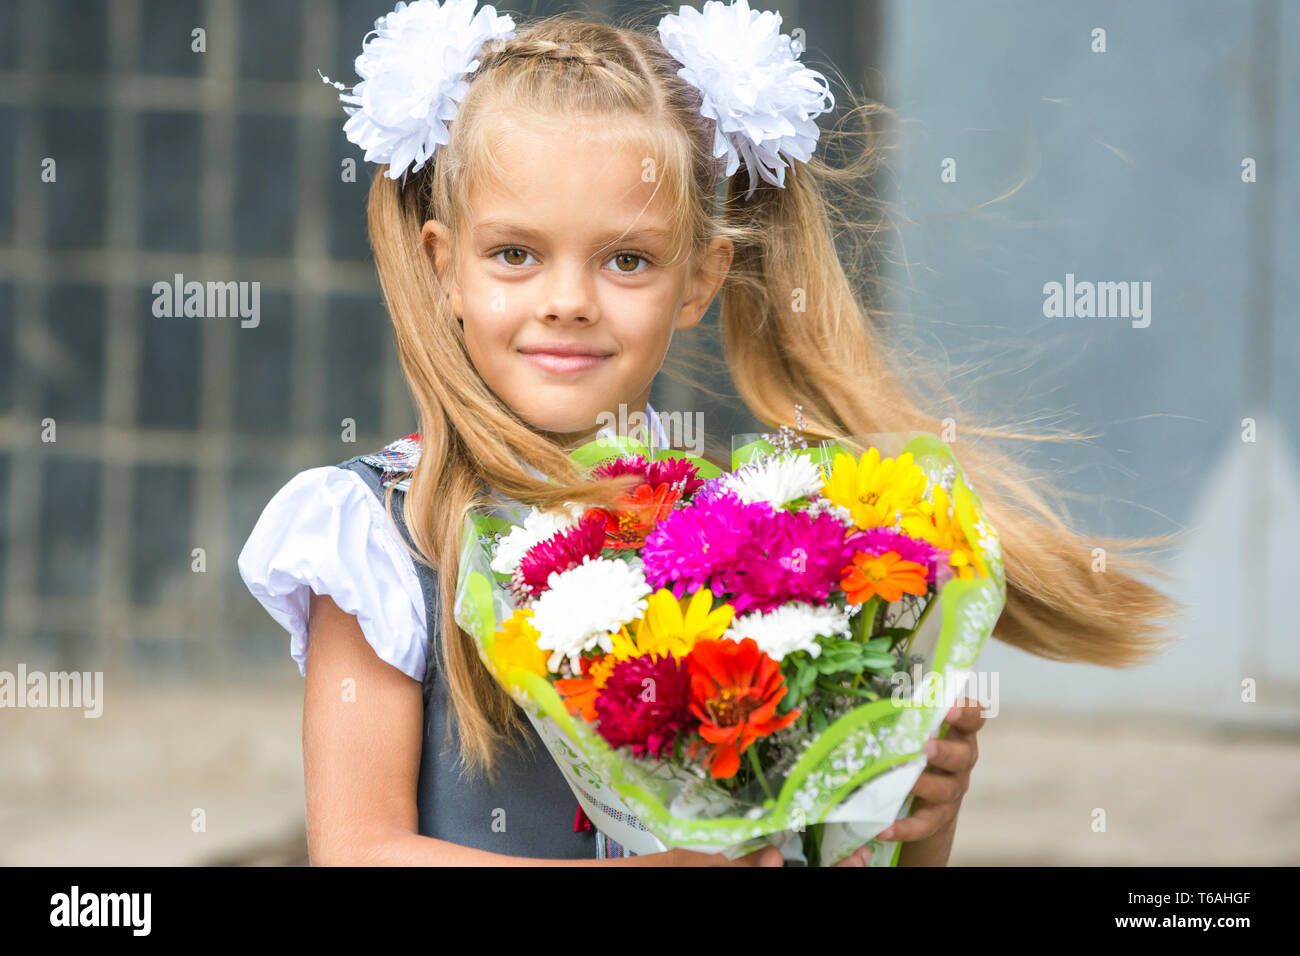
[924,822]
[941,787]
[955,756]
[859,857]
[767,856]
[966,716]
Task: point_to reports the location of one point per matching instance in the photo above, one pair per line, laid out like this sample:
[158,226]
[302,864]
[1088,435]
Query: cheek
[482,344]
[649,318]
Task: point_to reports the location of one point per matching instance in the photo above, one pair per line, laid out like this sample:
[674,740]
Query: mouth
[564,362]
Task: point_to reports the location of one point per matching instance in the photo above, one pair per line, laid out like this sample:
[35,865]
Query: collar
[398,459]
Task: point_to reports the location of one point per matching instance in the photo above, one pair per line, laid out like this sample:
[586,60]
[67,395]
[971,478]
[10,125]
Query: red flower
[643,704]
[627,526]
[735,690]
[561,552]
[678,472]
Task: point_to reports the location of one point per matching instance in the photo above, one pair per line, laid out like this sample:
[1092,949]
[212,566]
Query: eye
[512,250]
[629,254]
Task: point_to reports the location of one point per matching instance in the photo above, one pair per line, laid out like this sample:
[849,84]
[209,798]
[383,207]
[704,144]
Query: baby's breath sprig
[786,437]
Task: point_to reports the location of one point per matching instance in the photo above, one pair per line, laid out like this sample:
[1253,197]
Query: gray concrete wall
[1131,162]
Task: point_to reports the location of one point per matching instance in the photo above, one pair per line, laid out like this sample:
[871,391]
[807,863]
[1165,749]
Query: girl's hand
[945,779]
[767,856]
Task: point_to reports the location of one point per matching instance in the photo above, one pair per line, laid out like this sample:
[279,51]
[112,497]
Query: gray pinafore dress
[531,811]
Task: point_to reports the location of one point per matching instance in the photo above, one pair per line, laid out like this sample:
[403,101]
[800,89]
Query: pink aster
[877,541]
[677,472]
[558,553]
[627,465]
[789,556]
[693,544]
[644,704]
[758,557]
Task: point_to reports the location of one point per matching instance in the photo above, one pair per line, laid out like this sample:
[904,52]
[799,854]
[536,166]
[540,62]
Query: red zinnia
[636,516]
[735,690]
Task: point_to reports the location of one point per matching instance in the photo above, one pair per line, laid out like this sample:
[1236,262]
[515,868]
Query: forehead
[581,175]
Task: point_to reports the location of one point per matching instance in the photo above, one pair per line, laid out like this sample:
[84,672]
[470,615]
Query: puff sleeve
[325,531]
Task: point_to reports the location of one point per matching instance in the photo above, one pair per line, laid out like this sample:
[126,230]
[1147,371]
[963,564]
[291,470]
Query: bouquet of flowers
[722,661]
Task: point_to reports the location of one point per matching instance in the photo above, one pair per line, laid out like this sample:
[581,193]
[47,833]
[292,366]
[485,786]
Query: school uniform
[326,530]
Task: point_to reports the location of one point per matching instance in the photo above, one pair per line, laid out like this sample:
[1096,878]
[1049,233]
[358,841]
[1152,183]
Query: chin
[562,425]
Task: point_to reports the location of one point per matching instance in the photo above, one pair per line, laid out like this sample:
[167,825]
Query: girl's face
[541,271]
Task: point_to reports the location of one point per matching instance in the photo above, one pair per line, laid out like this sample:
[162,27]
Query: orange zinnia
[627,526]
[580,693]
[885,574]
[735,690]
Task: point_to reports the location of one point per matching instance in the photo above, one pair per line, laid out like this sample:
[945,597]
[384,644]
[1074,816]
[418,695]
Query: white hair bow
[412,68]
[414,63]
[763,100]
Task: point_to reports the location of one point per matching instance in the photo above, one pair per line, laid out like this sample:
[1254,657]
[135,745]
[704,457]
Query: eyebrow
[500,225]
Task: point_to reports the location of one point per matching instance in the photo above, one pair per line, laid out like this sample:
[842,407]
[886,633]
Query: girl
[536,271]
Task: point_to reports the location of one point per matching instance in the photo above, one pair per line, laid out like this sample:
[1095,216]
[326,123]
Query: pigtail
[796,331]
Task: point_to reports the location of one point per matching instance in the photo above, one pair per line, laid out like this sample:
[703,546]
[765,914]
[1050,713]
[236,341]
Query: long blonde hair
[833,357]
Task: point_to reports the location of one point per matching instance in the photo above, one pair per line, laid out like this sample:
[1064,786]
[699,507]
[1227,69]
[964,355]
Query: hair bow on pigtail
[763,100]
[412,68]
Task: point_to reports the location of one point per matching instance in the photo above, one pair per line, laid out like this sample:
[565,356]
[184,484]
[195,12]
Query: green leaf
[807,677]
[819,721]
[833,664]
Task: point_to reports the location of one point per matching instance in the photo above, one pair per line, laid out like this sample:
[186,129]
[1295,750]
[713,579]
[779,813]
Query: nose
[570,294]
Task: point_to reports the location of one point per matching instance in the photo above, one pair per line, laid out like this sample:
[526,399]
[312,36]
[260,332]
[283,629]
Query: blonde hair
[833,358]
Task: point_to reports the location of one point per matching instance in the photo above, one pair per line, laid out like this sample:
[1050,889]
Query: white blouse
[326,531]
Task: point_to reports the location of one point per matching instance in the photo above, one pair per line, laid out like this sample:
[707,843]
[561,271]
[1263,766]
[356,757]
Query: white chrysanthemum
[412,68]
[537,527]
[583,606]
[762,98]
[779,479]
[789,628]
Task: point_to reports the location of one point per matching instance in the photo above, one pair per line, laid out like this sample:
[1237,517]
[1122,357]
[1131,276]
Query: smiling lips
[564,358]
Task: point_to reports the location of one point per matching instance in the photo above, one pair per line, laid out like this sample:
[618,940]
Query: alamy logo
[684,430]
[102,909]
[56,689]
[1102,300]
[199,300]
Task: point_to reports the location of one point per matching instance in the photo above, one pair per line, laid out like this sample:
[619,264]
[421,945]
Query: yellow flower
[932,522]
[671,627]
[873,490]
[515,646]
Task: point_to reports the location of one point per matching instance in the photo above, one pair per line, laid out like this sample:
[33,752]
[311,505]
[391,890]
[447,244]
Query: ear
[705,282]
[436,240]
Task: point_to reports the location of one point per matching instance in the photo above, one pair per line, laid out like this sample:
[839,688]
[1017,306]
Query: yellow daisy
[671,626]
[515,646]
[873,490]
[932,522]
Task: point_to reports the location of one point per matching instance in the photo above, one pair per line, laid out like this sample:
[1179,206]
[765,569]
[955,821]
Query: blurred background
[1108,141]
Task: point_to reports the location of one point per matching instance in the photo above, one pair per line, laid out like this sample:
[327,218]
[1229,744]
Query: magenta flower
[558,553]
[677,472]
[644,704]
[757,557]
[689,547]
[627,465]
